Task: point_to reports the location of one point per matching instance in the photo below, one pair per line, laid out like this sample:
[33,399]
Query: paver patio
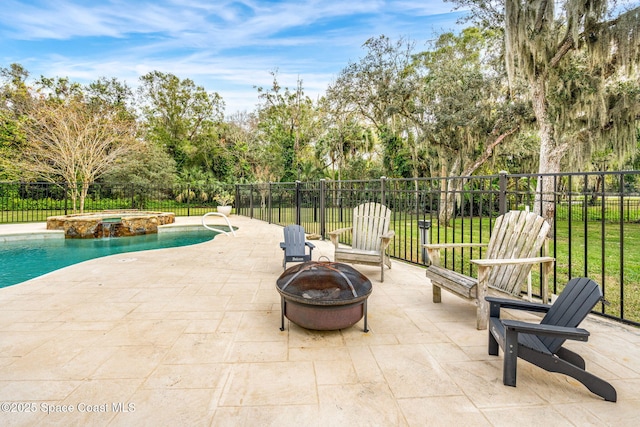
[190,336]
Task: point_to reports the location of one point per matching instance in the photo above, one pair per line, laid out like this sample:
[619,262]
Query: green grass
[593,250]
[579,251]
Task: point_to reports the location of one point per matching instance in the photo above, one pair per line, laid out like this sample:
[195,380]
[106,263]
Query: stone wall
[109,223]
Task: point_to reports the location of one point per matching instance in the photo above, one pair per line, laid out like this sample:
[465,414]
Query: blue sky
[226,46]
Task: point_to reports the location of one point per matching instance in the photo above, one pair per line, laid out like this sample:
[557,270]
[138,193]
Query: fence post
[188,199]
[298,201]
[323,225]
[236,197]
[66,198]
[621,240]
[424,226]
[382,189]
[269,213]
[502,197]
[251,201]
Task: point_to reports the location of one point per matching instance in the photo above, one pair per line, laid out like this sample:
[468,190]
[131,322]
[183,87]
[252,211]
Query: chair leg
[282,308]
[494,347]
[482,308]
[596,385]
[510,366]
[437,293]
[555,364]
[481,317]
[366,327]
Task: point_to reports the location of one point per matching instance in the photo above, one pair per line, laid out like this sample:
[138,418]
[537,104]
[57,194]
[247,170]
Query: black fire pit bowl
[323,296]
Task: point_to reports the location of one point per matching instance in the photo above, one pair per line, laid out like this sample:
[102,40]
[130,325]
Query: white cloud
[64,19]
[227,46]
[422,8]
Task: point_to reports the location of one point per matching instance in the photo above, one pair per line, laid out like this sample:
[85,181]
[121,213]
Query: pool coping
[38,231]
[28,231]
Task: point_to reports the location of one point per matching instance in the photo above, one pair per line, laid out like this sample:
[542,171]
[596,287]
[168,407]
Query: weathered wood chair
[370,237]
[514,246]
[541,344]
[295,245]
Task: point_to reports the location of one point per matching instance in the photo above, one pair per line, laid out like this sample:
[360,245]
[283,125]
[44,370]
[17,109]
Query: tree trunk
[551,154]
[73,190]
[447,190]
[83,195]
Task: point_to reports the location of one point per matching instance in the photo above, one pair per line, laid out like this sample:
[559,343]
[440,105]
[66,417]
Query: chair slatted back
[575,302]
[294,240]
[516,234]
[370,222]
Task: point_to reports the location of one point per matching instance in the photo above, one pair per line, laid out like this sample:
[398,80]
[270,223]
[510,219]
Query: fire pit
[323,296]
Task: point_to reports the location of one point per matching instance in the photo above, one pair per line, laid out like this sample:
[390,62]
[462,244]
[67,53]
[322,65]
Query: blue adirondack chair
[295,245]
[541,344]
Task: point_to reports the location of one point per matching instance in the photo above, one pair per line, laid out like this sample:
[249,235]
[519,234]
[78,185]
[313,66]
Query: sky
[228,47]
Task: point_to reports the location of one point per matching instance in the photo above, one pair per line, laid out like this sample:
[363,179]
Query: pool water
[22,260]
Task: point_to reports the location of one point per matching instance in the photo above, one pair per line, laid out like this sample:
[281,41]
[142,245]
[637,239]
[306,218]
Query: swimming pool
[22,260]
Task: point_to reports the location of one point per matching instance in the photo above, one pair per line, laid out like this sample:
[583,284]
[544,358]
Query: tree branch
[488,151]
[566,45]
[540,16]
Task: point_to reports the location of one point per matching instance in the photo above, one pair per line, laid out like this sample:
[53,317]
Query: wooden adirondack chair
[295,245]
[541,344]
[514,246]
[370,237]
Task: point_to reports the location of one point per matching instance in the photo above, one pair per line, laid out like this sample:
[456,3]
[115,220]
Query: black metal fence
[595,220]
[35,201]
[595,216]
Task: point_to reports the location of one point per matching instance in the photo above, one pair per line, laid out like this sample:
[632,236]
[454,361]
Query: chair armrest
[453,245]
[518,304]
[333,235]
[386,239]
[388,235]
[484,266]
[309,244]
[507,261]
[340,231]
[577,334]
[433,249]
[282,245]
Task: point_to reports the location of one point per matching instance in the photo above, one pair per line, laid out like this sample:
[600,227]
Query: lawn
[601,250]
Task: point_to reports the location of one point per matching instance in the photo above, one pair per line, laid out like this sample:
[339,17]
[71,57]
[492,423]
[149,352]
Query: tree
[181,117]
[145,167]
[74,141]
[377,89]
[580,60]
[59,88]
[240,135]
[287,122]
[14,101]
[111,92]
[343,139]
[462,108]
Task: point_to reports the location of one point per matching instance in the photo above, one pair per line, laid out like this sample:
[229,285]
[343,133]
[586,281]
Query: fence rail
[595,220]
[595,216]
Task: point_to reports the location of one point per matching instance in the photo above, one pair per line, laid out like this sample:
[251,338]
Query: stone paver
[190,336]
